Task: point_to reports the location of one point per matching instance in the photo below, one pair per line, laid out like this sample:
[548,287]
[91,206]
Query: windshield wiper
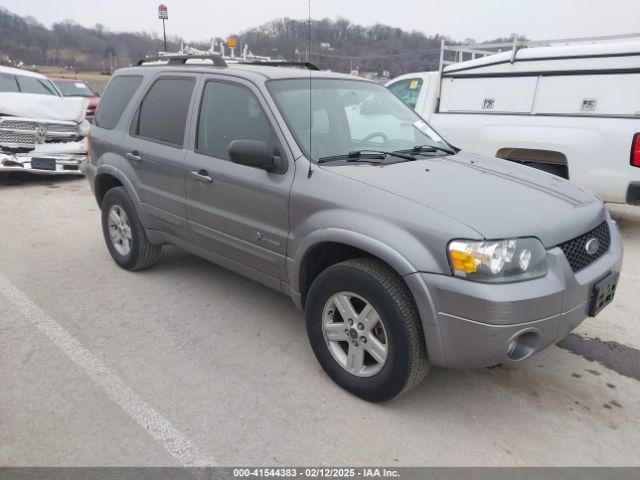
[428,148]
[365,155]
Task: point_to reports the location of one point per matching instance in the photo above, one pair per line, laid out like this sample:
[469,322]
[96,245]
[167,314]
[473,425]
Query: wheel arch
[108,177]
[306,271]
[331,246]
[549,160]
[103,183]
[532,154]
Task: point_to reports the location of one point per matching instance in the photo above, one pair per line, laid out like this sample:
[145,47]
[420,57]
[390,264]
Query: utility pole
[164,35]
[163,14]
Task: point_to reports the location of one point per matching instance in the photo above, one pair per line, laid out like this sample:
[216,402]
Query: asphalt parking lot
[187,363]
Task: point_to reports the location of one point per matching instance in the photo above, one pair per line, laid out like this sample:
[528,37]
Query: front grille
[19,124]
[576,252]
[30,125]
[16,131]
[11,138]
[61,128]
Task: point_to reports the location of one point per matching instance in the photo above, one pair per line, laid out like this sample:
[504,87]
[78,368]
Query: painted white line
[178,445]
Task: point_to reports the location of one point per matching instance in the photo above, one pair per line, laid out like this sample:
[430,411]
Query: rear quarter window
[163,112]
[116,97]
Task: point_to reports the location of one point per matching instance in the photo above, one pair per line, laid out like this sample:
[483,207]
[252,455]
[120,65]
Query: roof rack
[480,50]
[217,59]
[284,63]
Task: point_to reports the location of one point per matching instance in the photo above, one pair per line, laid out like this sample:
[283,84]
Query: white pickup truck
[571,109]
[41,132]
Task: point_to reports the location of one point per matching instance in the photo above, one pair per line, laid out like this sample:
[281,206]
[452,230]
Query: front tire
[124,234]
[365,330]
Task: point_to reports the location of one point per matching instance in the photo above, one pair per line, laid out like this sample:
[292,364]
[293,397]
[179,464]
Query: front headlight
[498,261]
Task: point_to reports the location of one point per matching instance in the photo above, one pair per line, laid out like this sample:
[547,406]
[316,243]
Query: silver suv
[403,251]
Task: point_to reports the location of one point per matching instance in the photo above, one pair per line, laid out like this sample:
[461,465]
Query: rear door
[236,211]
[154,146]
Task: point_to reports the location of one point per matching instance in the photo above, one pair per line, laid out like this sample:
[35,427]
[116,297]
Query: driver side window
[230,112]
[407,90]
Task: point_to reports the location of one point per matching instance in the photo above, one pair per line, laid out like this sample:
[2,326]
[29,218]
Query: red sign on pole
[163,13]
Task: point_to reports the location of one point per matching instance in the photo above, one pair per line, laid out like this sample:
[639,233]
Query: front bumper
[64,164]
[633,193]
[469,325]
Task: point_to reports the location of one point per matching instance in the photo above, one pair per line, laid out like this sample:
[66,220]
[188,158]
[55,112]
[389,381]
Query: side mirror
[252,153]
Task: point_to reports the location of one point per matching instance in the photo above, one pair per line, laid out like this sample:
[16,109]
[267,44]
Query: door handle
[201,176]
[135,156]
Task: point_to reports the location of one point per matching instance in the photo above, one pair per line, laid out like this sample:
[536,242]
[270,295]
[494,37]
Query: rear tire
[368,284]
[124,234]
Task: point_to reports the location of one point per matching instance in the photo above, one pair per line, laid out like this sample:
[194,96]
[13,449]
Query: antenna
[310,172]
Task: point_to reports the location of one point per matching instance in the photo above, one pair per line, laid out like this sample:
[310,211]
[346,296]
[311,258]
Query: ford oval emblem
[592,246]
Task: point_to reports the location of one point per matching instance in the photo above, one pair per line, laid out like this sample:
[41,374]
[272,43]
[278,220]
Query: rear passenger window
[230,112]
[163,112]
[115,99]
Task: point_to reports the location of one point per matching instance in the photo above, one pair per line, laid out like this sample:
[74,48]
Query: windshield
[24,84]
[347,116]
[8,83]
[36,85]
[74,89]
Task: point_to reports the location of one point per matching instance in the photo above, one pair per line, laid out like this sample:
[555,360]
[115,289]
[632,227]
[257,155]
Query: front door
[236,211]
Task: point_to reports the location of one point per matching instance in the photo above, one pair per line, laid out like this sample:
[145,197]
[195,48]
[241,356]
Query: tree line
[335,44]
[68,44]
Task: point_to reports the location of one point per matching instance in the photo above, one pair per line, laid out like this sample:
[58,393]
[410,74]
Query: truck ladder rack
[483,49]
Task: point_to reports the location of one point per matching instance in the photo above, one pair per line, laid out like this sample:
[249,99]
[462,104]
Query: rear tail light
[635,151]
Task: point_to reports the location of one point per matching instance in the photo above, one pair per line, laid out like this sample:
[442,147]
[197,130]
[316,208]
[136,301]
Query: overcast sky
[459,19]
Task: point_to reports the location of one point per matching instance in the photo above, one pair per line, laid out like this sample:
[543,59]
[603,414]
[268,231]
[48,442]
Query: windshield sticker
[80,85]
[427,130]
[414,84]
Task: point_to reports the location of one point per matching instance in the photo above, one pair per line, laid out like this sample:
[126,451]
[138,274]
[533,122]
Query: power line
[376,57]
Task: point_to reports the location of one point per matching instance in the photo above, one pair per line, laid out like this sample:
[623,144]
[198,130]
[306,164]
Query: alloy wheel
[119,230]
[355,334]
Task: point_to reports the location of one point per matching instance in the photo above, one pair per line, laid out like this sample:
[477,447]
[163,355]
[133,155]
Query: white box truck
[569,107]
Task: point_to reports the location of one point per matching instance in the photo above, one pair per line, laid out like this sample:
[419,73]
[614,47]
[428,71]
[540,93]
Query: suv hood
[497,198]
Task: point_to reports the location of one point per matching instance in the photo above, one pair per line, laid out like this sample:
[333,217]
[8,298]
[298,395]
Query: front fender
[400,262]
[375,236]
[337,235]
